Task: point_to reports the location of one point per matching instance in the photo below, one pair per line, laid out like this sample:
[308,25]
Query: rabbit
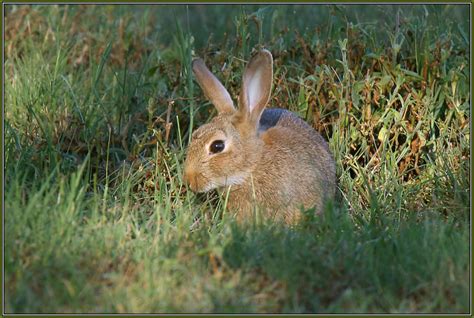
[268,159]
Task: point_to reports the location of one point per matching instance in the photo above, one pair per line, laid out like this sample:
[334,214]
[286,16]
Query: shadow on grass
[333,263]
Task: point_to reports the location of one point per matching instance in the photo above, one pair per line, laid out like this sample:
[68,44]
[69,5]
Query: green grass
[99,106]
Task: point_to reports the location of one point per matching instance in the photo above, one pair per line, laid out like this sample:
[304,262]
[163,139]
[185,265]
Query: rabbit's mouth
[198,183]
[194,181]
[202,188]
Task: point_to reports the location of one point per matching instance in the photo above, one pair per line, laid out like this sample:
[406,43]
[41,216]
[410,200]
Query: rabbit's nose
[190,178]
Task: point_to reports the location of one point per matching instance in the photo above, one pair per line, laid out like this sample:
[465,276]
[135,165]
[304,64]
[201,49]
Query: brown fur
[280,170]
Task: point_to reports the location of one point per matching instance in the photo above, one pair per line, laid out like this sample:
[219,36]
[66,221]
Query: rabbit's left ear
[212,87]
[256,86]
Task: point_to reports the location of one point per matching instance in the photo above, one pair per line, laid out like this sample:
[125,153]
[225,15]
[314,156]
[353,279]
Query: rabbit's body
[292,171]
[271,159]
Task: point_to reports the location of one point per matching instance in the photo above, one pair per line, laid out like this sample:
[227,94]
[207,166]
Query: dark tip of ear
[262,56]
[265,54]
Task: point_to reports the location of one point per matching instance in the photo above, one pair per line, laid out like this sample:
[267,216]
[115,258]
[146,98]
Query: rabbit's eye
[217,146]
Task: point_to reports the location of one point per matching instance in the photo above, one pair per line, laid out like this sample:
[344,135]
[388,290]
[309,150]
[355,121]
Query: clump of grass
[97,120]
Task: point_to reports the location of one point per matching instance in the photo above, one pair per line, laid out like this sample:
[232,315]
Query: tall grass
[100,104]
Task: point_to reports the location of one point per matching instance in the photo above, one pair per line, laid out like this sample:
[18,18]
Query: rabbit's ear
[256,86]
[213,89]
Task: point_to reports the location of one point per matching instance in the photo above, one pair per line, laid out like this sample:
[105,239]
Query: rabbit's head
[225,151]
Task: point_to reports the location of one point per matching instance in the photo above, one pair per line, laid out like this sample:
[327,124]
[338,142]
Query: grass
[99,106]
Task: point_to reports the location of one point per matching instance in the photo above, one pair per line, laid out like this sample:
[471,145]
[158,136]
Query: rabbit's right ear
[212,87]
[256,86]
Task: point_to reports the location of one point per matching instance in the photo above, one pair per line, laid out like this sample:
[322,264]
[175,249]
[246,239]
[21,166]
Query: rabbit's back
[296,158]
[303,137]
